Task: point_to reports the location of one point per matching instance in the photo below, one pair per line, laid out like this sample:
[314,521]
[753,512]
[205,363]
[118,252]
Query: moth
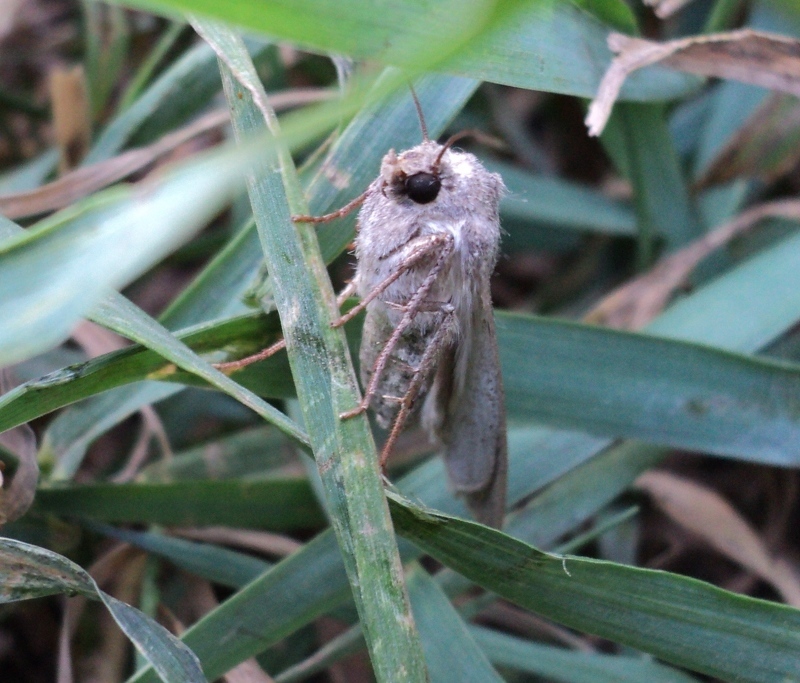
[428,236]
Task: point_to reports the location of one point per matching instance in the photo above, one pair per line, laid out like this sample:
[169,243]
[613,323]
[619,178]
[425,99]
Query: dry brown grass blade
[666,8]
[259,541]
[198,601]
[96,340]
[17,492]
[766,59]
[766,147]
[637,302]
[83,181]
[248,671]
[516,620]
[8,16]
[72,121]
[706,514]
[108,663]
[123,566]
[152,428]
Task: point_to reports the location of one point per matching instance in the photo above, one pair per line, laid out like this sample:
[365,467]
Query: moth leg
[416,255]
[236,365]
[426,364]
[333,215]
[412,308]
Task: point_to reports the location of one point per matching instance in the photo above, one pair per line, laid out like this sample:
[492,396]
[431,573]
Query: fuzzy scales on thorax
[391,225]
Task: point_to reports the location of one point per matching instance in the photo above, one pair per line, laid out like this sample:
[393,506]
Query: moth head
[431,171]
[417,174]
[412,178]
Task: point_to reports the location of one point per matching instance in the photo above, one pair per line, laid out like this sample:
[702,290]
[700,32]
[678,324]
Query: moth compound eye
[422,188]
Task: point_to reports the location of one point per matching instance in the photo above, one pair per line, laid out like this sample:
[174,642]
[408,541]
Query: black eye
[422,188]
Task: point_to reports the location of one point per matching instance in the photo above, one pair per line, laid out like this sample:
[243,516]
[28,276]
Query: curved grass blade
[137,363]
[56,272]
[680,620]
[544,45]
[120,315]
[246,629]
[27,571]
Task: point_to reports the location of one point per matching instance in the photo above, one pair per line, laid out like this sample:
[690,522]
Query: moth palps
[427,242]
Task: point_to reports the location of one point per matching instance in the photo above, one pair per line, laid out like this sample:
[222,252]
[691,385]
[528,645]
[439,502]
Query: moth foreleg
[426,364]
[333,215]
[413,307]
[236,365]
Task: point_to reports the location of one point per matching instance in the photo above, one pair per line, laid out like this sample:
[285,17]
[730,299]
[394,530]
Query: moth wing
[469,388]
[400,367]
[376,332]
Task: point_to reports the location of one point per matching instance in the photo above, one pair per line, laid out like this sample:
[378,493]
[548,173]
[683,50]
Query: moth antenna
[421,116]
[488,140]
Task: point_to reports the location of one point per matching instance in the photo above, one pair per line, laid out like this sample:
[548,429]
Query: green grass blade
[641,145]
[183,90]
[137,363]
[241,627]
[325,380]
[246,629]
[542,45]
[215,563]
[250,453]
[27,571]
[53,274]
[276,503]
[562,665]
[680,620]
[684,395]
[218,291]
[450,650]
[120,315]
[145,71]
[558,204]
[583,491]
